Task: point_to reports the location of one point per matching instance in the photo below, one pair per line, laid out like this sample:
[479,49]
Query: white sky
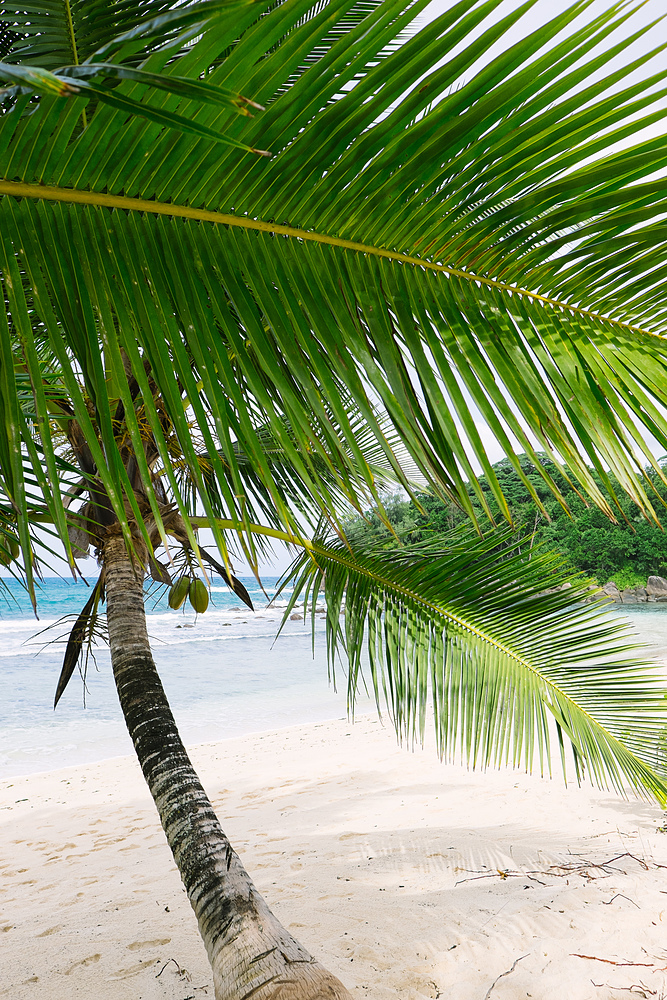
[540,13]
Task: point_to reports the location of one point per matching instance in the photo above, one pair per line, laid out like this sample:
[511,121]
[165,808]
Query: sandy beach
[408,878]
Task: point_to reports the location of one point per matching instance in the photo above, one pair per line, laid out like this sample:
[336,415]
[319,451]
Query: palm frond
[102,81]
[490,259]
[84,631]
[510,669]
[51,34]
[388,465]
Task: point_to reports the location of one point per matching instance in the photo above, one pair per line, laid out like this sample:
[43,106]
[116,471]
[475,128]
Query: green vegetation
[456,225]
[626,552]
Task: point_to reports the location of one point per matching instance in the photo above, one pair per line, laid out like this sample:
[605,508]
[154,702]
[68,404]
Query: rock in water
[611,591]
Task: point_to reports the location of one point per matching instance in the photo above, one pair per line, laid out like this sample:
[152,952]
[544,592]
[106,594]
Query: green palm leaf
[51,34]
[464,623]
[453,230]
[457,250]
[417,256]
[99,80]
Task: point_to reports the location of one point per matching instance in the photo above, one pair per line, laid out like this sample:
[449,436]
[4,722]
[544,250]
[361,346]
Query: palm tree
[193,332]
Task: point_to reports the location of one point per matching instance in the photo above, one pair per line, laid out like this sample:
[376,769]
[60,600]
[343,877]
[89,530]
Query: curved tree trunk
[251,953]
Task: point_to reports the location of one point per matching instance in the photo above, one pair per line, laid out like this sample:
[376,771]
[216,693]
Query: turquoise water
[224,672]
[649,622]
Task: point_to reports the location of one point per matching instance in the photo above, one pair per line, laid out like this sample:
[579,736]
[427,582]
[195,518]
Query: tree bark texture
[251,953]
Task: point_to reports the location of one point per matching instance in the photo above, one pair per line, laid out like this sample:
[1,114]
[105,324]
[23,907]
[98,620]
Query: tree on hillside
[633,548]
[193,332]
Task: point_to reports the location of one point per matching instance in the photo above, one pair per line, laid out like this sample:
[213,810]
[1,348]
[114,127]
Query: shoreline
[408,878]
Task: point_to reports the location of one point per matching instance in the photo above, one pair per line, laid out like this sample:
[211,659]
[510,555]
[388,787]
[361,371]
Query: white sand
[409,879]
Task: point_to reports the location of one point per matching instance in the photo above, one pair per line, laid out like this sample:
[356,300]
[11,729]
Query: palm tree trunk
[251,953]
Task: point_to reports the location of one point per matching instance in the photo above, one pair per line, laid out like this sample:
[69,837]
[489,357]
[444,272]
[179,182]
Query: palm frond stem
[19,189]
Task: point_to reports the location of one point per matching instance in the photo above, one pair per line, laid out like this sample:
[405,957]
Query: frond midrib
[71,34]
[379,580]
[20,189]
[319,550]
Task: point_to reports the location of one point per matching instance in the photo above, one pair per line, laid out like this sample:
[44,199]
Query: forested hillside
[627,552]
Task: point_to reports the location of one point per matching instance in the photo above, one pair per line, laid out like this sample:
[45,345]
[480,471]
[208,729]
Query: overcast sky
[540,13]
[546,10]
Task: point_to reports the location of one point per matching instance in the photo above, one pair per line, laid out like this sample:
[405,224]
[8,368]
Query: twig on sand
[610,961]
[183,973]
[502,974]
[496,873]
[637,989]
[619,895]
[583,867]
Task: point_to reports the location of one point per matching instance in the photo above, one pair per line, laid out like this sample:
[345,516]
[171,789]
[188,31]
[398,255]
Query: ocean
[225,673]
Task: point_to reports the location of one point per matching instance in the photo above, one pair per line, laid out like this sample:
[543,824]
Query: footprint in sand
[91,960]
[136,945]
[133,970]
[50,930]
